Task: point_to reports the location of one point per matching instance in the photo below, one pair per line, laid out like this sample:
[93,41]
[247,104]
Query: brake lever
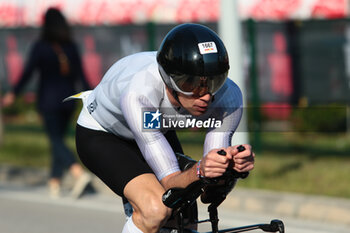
[232,172]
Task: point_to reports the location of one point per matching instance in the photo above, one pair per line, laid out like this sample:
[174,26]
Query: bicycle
[212,192]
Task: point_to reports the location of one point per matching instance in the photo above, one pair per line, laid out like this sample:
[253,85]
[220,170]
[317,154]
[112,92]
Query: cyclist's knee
[154,214]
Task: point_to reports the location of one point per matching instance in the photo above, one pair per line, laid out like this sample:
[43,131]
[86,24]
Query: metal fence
[296,61]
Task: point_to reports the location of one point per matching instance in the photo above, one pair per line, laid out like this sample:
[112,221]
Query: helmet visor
[198,85]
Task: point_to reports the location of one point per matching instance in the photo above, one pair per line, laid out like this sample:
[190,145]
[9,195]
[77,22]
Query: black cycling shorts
[113,159]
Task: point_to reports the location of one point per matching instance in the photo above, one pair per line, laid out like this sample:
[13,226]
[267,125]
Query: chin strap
[176,97]
[168,84]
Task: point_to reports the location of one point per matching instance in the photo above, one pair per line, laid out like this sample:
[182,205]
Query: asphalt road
[30,210]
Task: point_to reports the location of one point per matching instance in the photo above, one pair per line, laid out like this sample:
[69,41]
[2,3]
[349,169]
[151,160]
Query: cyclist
[181,79]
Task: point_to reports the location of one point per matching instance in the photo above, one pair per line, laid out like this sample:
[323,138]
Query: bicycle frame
[179,199]
[172,200]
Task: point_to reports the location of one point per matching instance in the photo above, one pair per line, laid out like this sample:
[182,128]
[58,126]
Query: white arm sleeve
[153,145]
[216,138]
[229,105]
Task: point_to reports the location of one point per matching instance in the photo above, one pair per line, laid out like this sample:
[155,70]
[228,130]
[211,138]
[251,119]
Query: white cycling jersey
[132,85]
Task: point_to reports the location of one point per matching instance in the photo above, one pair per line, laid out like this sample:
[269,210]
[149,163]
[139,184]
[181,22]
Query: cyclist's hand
[213,164]
[242,161]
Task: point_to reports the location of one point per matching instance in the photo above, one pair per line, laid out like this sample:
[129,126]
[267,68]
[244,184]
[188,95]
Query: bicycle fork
[213,215]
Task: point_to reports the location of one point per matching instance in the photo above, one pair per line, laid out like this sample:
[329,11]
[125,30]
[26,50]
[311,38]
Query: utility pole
[1,122]
[230,32]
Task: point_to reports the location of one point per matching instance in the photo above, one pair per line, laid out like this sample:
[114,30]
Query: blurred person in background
[58,61]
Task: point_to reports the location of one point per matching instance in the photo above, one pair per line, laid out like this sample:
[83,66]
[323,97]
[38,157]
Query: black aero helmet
[192,58]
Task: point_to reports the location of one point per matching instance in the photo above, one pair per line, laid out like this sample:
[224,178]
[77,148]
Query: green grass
[305,163]
[26,144]
[25,149]
[296,173]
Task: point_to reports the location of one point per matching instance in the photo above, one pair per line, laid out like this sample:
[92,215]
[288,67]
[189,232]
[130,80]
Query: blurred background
[296,68]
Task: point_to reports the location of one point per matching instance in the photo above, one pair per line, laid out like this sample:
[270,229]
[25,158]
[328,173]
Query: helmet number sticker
[207,47]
